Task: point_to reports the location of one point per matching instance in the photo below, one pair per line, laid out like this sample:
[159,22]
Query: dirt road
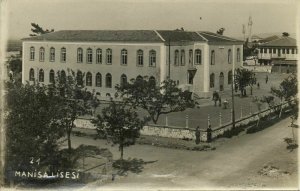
[253,161]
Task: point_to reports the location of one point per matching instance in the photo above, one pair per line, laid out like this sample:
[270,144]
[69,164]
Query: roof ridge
[201,36]
[159,35]
[219,36]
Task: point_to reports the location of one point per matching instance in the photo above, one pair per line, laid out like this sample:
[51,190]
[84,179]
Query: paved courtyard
[243,106]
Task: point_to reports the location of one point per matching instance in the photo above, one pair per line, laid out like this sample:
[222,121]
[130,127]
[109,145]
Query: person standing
[197,133]
[208,131]
[267,79]
[215,97]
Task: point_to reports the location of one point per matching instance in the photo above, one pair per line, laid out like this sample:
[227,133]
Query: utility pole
[232,101]
[169,75]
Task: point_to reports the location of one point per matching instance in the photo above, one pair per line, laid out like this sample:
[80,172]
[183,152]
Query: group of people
[217,98]
[208,134]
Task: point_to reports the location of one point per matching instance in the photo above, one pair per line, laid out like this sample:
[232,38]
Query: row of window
[280,50]
[221,79]
[79,78]
[99,57]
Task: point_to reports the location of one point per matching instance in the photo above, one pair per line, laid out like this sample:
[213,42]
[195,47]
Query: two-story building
[281,53]
[198,61]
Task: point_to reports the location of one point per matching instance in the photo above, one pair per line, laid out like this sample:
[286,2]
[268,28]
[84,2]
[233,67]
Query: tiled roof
[179,35]
[270,38]
[283,41]
[100,35]
[213,37]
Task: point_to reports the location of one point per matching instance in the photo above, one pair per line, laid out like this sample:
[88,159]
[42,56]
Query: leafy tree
[285,34]
[33,125]
[15,69]
[242,79]
[37,30]
[121,123]
[155,100]
[221,31]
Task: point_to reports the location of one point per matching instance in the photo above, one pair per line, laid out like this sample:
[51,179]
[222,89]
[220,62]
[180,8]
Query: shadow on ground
[130,165]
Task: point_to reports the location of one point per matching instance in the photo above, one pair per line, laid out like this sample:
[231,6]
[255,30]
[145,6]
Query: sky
[268,16]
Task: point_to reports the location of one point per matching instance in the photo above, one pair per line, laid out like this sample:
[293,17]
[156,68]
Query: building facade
[281,53]
[198,61]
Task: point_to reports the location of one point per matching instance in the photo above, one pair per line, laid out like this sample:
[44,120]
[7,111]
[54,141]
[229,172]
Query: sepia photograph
[149,95]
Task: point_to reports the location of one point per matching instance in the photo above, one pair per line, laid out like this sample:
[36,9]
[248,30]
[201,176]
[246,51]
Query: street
[236,163]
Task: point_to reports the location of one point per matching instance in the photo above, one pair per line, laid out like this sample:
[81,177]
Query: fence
[188,133]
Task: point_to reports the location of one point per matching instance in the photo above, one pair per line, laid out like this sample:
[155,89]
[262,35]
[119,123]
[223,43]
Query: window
[230,77]
[265,50]
[229,56]
[152,58]
[261,50]
[32,51]
[288,51]
[41,75]
[99,56]
[274,50]
[52,54]
[182,58]
[89,55]
[31,75]
[42,54]
[152,80]
[198,56]
[139,77]
[51,76]
[108,80]
[140,58]
[89,79]
[212,80]
[63,54]
[212,57]
[278,51]
[283,51]
[176,58]
[63,76]
[79,55]
[108,56]
[124,57]
[79,78]
[238,54]
[190,57]
[293,51]
[123,80]
[98,80]
[270,50]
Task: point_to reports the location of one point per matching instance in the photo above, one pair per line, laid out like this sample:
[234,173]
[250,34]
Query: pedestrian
[257,85]
[267,79]
[225,103]
[220,101]
[197,133]
[208,131]
[215,97]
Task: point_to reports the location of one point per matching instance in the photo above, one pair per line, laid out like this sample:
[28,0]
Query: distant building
[198,61]
[281,53]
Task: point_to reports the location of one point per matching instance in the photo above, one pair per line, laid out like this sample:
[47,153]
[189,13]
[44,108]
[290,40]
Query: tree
[120,122]
[221,31]
[15,69]
[285,34]
[242,79]
[33,126]
[156,100]
[37,30]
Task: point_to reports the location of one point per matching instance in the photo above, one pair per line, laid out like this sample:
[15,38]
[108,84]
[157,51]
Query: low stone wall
[257,68]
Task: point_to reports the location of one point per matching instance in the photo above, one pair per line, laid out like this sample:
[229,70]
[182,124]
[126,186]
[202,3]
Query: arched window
[230,77]
[198,56]
[63,54]
[123,80]
[139,77]
[32,52]
[182,58]
[98,80]
[108,56]
[89,55]
[152,80]
[124,57]
[140,58]
[99,56]
[52,54]
[108,80]
[41,75]
[42,54]
[238,54]
[79,55]
[221,81]
[152,58]
[63,76]
[176,58]
[212,80]
[229,56]
[190,57]
[212,57]
[89,78]
[79,78]
[31,74]
[51,76]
